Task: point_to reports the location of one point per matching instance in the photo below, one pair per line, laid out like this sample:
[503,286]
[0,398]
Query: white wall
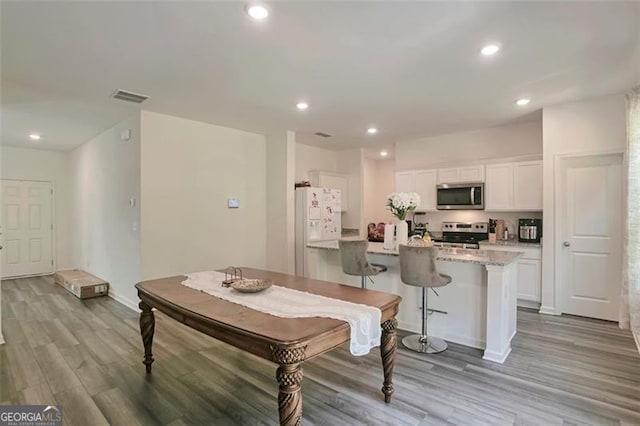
[379,182]
[313,158]
[189,171]
[593,126]
[479,146]
[52,166]
[105,175]
[281,150]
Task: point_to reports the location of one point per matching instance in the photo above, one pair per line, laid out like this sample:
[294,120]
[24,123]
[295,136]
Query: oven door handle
[473,196]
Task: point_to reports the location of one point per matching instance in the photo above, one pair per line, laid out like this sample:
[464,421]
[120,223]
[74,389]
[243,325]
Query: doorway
[26,228]
[589,235]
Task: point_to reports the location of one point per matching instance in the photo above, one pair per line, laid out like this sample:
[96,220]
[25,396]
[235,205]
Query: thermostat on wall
[233,203]
[125,135]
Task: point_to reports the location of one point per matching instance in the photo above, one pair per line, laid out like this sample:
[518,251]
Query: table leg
[289,376]
[147,327]
[388,352]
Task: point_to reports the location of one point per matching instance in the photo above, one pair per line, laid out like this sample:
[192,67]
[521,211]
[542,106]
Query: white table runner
[284,302]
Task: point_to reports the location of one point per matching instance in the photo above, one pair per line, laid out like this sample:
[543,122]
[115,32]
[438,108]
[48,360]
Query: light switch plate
[233,203]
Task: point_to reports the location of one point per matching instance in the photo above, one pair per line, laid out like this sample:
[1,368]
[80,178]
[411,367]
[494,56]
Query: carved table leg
[289,376]
[147,327]
[388,352]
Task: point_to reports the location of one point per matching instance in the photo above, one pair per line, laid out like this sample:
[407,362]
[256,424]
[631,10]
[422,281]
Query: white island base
[480,301]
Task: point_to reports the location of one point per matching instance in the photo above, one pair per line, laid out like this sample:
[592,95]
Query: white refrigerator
[318,218]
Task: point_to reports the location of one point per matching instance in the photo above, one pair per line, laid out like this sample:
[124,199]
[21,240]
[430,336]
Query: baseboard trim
[528,304]
[548,310]
[44,274]
[500,358]
[2,342]
[124,301]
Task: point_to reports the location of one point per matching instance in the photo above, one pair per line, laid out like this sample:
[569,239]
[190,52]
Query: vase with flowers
[400,204]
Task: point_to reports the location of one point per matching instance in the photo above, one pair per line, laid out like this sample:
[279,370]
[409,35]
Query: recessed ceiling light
[490,49]
[372,130]
[257,11]
[383,153]
[523,101]
[302,105]
[34,137]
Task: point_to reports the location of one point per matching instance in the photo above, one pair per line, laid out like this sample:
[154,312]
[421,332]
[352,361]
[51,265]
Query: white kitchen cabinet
[448,175]
[405,182]
[514,186]
[332,180]
[527,185]
[422,182]
[471,173]
[425,186]
[529,272]
[464,174]
[498,187]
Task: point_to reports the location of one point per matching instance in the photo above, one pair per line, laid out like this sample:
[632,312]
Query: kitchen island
[480,302]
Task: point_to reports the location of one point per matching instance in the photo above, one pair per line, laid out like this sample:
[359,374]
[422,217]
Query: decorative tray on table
[233,278]
[251,286]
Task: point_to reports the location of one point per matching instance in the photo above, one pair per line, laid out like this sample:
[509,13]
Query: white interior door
[590,235]
[27,231]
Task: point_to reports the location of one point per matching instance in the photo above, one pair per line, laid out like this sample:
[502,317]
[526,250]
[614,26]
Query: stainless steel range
[462,235]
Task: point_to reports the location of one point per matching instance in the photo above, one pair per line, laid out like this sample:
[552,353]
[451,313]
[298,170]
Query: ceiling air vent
[123,95]
[322,134]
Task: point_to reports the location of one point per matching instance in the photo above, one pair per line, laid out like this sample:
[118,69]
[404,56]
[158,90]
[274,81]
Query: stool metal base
[424,344]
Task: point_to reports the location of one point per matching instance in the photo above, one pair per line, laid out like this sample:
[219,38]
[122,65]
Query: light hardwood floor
[87,356]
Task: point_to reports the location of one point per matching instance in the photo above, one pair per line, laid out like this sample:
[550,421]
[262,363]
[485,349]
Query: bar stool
[418,268]
[353,257]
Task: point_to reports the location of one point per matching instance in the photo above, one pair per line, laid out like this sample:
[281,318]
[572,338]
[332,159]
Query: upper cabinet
[461,174]
[405,182]
[514,186]
[527,185]
[422,182]
[498,188]
[334,181]
[508,186]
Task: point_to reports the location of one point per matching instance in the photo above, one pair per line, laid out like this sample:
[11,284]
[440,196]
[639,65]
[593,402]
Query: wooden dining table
[288,342]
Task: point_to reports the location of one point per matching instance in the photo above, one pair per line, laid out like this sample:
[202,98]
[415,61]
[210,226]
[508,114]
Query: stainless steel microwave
[460,196]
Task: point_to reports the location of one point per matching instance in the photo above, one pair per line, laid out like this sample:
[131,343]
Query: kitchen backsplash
[435,219]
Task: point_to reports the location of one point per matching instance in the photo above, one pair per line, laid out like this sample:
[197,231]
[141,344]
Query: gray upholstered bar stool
[418,268]
[353,256]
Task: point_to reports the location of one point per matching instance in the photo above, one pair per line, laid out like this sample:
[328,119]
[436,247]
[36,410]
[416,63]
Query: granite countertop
[510,243]
[481,257]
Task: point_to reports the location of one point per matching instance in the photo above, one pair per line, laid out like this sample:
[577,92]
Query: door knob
[566,244]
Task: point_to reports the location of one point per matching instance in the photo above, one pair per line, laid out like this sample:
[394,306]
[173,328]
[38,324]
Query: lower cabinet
[529,273]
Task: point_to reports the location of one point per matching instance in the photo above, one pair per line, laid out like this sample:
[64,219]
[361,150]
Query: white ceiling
[410,68]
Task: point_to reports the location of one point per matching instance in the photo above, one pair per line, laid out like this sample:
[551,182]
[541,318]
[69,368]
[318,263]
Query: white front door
[590,235]
[27,231]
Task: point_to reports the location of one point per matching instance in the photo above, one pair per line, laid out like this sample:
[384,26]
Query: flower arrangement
[401,203]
